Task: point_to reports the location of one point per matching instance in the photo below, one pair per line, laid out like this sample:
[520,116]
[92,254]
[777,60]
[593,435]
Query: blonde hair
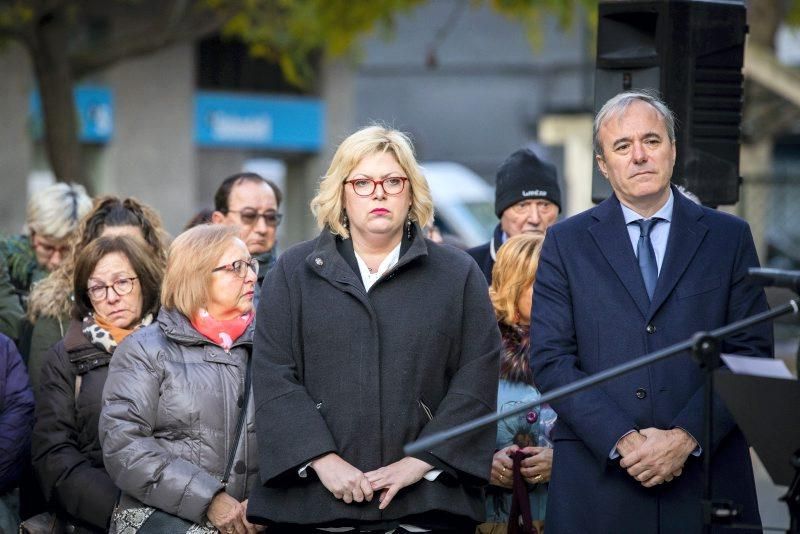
[192,256]
[513,272]
[327,205]
[55,210]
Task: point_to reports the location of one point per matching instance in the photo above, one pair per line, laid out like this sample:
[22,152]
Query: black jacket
[361,373]
[66,449]
[485,254]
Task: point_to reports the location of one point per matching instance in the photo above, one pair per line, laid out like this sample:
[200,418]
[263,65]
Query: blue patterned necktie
[646,255]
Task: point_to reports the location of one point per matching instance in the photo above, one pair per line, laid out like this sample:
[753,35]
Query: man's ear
[218,217]
[601,164]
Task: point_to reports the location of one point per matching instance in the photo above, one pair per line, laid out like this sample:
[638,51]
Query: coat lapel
[612,239]
[685,235]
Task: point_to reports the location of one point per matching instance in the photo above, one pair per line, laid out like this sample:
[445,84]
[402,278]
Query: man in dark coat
[527,200]
[251,202]
[628,453]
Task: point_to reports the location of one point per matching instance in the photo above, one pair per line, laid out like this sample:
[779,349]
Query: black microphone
[775,278]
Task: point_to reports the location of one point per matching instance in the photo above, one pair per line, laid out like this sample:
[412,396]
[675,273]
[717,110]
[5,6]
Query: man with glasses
[251,202]
[527,200]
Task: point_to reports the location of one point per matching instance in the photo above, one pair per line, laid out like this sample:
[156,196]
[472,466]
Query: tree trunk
[55,82]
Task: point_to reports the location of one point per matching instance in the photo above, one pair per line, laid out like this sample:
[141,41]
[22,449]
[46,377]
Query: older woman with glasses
[371,336]
[177,420]
[52,218]
[116,286]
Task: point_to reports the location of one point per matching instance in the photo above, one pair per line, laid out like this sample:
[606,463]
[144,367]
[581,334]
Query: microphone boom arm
[427,443]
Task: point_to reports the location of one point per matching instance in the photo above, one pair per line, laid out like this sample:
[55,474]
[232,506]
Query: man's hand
[660,457]
[629,443]
[396,476]
[342,479]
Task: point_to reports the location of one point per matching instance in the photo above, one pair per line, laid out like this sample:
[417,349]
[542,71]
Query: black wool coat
[361,373]
[484,254]
[67,457]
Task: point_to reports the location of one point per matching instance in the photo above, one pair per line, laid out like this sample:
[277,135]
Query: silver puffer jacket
[170,408]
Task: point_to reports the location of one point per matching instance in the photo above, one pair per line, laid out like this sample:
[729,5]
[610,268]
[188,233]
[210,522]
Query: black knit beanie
[524,176]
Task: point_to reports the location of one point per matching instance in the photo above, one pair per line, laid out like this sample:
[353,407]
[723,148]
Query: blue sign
[267,122]
[95,108]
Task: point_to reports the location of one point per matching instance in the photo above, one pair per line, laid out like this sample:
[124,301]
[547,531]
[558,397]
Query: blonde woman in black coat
[369,337]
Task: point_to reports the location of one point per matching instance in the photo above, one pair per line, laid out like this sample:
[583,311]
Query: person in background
[201,217]
[527,200]
[525,436]
[16,421]
[11,311]
[643,270]
[176,389]
[52,218]
[250,203]
[52,300]
[116,286]
[345,373]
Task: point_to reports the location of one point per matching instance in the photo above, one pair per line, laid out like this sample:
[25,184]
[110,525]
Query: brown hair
[513,272]
[192,256]
[148,270]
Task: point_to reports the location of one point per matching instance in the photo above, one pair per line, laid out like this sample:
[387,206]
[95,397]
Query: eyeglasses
[121,286]
[364,187]
[250,217]
[239,267]
[525,205]
[47,248]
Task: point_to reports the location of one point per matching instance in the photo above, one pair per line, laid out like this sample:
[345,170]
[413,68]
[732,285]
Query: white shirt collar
[664,213]
[388,262]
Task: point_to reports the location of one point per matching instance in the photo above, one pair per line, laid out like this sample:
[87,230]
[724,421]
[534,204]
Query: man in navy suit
[643,270]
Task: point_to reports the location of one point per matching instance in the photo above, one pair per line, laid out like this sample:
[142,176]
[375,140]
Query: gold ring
[538,478]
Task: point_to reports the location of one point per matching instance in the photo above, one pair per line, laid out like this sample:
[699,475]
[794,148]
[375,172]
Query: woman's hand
[502,474]
[537,467]
[342,479]
[229,516]
[395,477]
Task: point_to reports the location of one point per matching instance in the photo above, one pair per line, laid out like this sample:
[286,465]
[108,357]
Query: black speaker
[691,53]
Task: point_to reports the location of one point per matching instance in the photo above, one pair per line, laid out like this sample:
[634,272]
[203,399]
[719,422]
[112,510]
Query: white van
[463,200]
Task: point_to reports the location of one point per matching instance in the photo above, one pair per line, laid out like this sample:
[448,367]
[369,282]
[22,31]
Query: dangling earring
[345,221]
[408,225]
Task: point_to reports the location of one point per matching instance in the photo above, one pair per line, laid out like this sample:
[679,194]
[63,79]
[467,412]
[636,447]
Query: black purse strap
[240,423]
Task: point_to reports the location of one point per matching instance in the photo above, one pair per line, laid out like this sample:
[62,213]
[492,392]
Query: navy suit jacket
[591,312]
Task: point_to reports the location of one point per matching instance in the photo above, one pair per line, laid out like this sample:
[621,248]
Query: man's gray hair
[620,103]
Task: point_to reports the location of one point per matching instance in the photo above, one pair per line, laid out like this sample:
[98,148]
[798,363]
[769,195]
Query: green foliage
[793,14]
[291,32]
[15,14]
[532,14]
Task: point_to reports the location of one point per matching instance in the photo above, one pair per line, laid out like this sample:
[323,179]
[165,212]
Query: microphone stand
[705,347]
